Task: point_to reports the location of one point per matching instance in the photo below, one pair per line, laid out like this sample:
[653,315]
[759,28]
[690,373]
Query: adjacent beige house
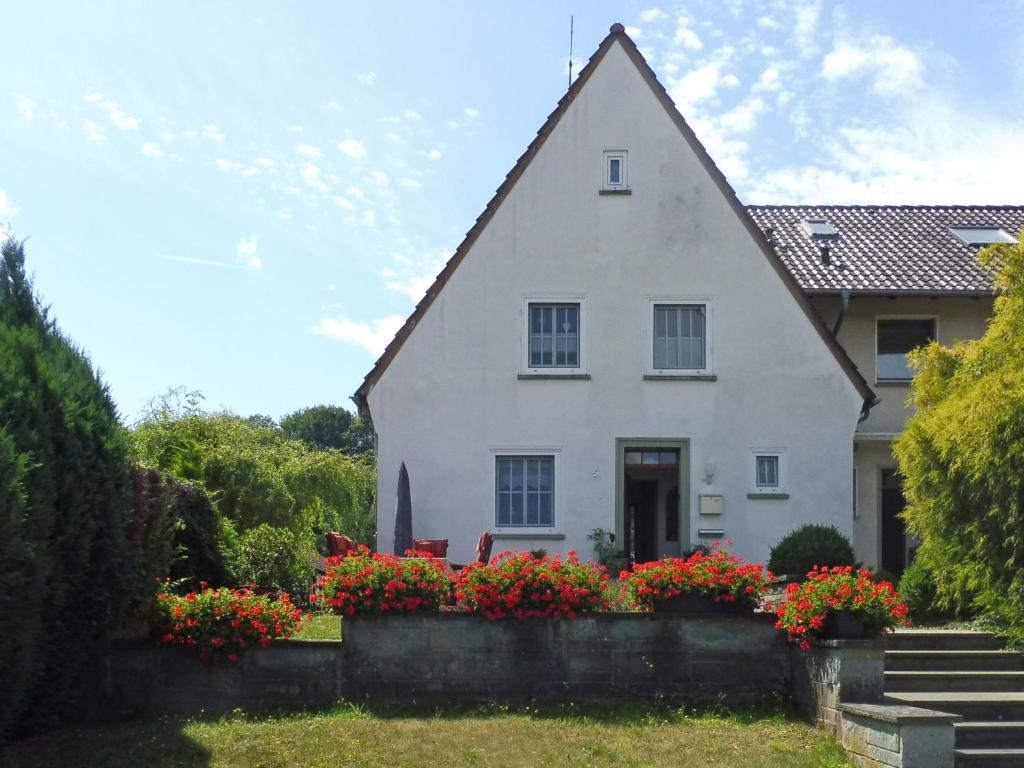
[619,343]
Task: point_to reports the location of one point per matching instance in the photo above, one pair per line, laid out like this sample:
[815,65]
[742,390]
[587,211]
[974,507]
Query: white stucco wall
[451,396]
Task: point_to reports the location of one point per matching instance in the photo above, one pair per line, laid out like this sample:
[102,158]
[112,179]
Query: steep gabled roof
[885,249]
[617,33]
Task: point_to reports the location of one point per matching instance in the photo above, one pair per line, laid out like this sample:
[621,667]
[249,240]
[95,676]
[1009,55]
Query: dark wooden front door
[894,532]
[644,499]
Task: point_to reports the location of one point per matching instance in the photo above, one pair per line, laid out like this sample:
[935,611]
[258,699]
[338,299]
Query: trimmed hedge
[66,566]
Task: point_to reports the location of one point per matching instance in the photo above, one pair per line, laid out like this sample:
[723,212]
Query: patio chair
[483,548]
[339,545]
[436,547]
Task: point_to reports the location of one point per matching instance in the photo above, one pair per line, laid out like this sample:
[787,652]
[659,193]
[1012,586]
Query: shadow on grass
[152,743]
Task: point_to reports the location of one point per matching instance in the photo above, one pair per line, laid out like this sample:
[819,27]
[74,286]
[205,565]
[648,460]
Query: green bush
[962,457]
[274,558]
[808,546]
[917,588]
[69,567]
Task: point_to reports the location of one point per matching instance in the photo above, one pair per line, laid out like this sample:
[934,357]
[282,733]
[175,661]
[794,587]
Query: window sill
[680,377]
[521,535]
[556,376]
[768,495]
[893,383]
[615,191]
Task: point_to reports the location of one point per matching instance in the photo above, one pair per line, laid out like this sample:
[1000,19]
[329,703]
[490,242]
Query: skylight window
[982,235]
[819,229]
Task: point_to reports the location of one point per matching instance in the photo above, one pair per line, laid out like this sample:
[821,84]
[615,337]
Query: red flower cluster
[221,623]
[723,577]
[829,590]
[365,582]
[520,585]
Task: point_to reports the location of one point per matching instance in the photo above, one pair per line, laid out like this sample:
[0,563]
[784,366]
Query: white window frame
[708,369]
[878,319]
[780,455]
[555,454]
[551,370]
[623,156]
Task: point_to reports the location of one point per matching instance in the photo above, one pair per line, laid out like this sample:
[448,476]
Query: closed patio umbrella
[403,513]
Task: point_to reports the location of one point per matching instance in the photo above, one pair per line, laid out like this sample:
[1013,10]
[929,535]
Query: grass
[638,735]
[321,626]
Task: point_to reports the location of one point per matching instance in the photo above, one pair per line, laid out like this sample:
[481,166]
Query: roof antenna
[570,50]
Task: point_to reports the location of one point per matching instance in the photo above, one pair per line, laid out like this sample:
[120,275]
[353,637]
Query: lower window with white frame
[525,491]
[768,471]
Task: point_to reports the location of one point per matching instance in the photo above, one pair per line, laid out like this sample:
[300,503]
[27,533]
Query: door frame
[680,444]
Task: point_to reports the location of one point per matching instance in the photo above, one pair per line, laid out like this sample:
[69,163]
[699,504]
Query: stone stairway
[966,673]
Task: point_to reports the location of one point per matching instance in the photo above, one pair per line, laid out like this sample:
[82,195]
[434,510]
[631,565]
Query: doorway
[894,532]
[652,515]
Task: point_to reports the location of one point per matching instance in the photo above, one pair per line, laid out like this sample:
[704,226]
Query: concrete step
[989,758]
[973,705]
[916,680]
[942,640]
[982,734]
[953,661]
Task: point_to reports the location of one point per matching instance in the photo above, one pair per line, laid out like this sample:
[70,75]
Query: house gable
[619,42]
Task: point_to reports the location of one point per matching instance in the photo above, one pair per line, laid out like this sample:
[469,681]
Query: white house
[619,343]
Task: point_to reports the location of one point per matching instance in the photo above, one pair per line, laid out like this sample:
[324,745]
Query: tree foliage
[65,501]
[258,475]
[962,457]
[330,426]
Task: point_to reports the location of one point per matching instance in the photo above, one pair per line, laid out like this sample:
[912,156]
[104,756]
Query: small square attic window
[982,235]
[819,229]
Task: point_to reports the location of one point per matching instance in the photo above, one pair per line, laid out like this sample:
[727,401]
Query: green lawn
[321,626]
[496,737]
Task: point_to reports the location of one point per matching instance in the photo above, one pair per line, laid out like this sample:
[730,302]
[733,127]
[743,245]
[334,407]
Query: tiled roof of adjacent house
[885,248]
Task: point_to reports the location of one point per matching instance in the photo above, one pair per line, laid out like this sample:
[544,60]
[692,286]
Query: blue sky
[248,198]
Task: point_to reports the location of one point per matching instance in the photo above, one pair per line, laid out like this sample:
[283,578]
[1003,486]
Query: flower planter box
[692,603]
[843,625]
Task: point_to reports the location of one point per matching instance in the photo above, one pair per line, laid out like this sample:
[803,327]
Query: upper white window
[680,337]
[615,169]
[554,336]
[896,337]
[982,235]
[819,228]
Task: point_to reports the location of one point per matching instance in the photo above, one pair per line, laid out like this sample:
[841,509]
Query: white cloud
[310,173]
[7,206]
[634,32]
[413,287]
[309,151]
[769,80]
[373,336]
[699,85]
[296,128]
[894,67]
[434,154]
[767,22]
[213,133]
[93,97]
[685,36]
[228,166]
[409,183]
[651,14]
[379,178]
[805,26]
[246,253]
[25,105]
[743,117]
[353,148]
[151,149]
[355,192]
[342,202]
[285,214]
[367,78]
[201,262]
[412,114]
[471,113]
[264,162]
[252,171]
[368,219]
[93,131]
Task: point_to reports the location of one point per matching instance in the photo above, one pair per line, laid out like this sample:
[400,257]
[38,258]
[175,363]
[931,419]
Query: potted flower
[221,623]
[365,582]
[840,603]
[712,581]
[522,585]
